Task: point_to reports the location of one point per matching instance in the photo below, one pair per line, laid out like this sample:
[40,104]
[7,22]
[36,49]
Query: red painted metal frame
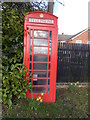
[48,97]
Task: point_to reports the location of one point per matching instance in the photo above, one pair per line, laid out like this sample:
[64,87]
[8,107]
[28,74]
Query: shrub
[14,83]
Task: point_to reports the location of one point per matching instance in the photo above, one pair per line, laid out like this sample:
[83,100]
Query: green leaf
[19,97]
[9,103]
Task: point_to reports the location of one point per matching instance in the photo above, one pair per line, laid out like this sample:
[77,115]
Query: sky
[73,17]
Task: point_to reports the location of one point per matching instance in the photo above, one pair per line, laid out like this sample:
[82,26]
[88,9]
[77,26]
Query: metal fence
[73,62]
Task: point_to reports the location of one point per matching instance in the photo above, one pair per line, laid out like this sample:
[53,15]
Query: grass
[69,104]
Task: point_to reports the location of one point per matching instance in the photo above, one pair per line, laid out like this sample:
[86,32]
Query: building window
[63,42]
[88,42]
[78,41]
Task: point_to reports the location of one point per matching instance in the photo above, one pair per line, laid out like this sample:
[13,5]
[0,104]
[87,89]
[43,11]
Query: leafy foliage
[12,54]
[73,87]
[14,84]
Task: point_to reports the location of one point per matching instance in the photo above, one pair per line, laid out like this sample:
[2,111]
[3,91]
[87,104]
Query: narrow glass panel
[48,86]
[30,50]
[48,89]
[40,74]
[49,74]
[39,90]
[48,82]
[40,66]
[30,41]
[30,66]
[41,42]
[30,57]
[50,43]
[40,58]
[40,50]
[49,50]
[49,66]
[39,82]
[50,38]
[31,33]
[49,58]
[41,34]
[50,35]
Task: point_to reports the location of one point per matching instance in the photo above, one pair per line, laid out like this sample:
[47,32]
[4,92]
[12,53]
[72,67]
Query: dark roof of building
[78,33]
[63,37]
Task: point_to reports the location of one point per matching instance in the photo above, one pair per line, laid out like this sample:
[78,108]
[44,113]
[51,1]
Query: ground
[70,103]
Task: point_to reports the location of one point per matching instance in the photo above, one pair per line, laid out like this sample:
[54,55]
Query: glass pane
[48,82]
[40,50]
[31,41]
[50,38]
[30,65]
[41,42]
[35,76]
[50,43]
[30,57]
[40,66]
[40,74]
[49,66]
[49,50]
[48,89]
[31,33]
[40,58]
[50,35]
[30,50]
[39,82]
[39,90]
[48,86]
[49,58]
[41,34]
[49,74]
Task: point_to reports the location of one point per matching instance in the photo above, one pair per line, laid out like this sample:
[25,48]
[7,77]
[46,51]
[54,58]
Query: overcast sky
[73,17]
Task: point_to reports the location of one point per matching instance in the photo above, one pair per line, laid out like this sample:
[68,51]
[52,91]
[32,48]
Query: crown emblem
[41,15]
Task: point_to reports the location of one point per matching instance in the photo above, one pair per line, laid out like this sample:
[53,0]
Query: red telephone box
[40,53]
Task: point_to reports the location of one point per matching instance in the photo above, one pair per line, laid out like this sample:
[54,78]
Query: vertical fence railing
[73,61]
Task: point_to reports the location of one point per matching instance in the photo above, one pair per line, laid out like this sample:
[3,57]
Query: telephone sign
[41,20]
[40,54]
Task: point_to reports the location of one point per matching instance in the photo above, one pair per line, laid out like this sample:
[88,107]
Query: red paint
[47,28]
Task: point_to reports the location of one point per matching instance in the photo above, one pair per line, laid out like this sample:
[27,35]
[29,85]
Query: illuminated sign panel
[41,20]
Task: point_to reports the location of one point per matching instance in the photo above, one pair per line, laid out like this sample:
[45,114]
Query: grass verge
[69,104]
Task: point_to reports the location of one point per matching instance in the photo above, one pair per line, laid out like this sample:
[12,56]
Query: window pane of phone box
[40,58]
[39,74]
[39,90]
[40,50]
[41,34]
[41,42]
[40,66]
[39,82]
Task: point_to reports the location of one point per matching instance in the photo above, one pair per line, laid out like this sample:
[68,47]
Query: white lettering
[41,20]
